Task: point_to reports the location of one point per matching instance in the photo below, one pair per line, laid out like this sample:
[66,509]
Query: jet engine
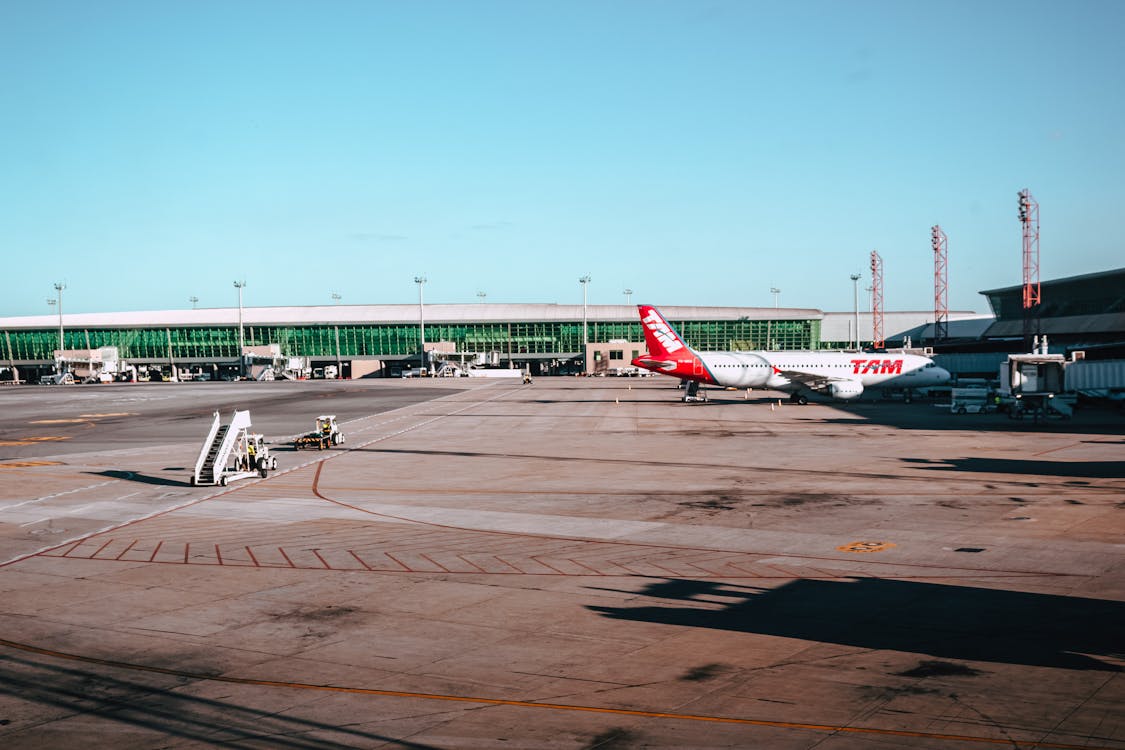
[845,390]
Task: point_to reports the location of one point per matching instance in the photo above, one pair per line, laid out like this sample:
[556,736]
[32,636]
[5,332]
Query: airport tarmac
[578,563]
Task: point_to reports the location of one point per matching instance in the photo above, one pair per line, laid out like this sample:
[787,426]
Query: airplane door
[697,366]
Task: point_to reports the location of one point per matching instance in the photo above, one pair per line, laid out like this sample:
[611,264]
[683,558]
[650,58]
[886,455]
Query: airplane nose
[943,375]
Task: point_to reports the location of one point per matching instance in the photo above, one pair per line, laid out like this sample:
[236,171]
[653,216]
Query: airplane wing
[819,383]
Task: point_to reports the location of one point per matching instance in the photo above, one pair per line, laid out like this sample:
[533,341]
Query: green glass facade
[400,339]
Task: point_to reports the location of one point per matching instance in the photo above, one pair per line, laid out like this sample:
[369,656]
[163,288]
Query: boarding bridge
[221,442]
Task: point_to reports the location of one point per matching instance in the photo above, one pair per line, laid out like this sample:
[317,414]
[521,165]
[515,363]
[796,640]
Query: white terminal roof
[366,314]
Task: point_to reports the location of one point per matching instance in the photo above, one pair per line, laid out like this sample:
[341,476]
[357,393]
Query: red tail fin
[660,337]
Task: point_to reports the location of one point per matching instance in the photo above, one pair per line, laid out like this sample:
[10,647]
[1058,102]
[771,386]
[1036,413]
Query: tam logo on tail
[662,332]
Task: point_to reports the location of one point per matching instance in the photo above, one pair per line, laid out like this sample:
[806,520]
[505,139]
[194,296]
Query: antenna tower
[1029,218]
[941,283]
[877,301]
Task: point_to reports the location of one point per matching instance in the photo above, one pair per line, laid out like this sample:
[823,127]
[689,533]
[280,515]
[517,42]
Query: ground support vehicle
[232,452]
[971,401]
[326,434]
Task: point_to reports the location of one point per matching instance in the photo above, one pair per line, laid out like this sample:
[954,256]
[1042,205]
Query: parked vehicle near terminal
[58,378]
[971,401]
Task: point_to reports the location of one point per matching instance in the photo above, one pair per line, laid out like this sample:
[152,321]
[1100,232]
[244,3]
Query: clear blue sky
[695,151]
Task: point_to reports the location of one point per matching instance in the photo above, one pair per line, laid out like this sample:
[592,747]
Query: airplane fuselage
[761,369]
[841,375]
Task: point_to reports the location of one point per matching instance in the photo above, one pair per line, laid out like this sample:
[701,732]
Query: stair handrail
[206,447]
[239,422]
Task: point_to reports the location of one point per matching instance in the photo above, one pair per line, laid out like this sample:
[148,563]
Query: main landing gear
[798,398]
[692,392]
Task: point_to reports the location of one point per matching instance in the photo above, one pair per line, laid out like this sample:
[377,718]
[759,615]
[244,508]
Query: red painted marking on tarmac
[322,560]
[102,547]
[675,573]
[73,547]
[1061,447]
[750,573]
[252,558]
[398,562]
[435,562]
[513,567]
[587,567]
[830,728]
[158,546]
[547,565]
[47,552]
[291,565]
[218,555]
[985,572]
[624,567]
[470,562]
[360,560]
[119,556]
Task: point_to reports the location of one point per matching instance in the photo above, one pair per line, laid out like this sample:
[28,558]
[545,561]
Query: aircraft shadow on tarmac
[939,620]
[1085,469]
[926,415]
[172,713]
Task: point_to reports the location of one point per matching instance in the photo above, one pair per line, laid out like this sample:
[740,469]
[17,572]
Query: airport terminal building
[382,340]
[1085,312]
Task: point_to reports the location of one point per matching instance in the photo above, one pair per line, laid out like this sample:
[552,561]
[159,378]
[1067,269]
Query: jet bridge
[1034,384]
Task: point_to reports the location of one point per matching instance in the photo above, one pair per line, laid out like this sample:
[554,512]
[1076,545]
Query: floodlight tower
[239,285]
[59,286]
[585,330]
[877,301]
[1029,218]
[855,307]
[422,363]
[941,283]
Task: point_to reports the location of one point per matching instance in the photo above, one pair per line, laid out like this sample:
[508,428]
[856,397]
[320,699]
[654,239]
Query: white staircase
[220,442]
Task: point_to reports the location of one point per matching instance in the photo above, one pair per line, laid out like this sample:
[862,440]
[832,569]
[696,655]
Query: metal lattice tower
[877,341]
[1029,218]
[941,283]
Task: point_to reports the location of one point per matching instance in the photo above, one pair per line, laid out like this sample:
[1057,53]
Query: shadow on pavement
[133,476]
[168,712]
[939,620]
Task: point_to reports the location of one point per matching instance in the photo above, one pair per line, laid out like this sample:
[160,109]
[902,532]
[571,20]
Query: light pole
[774,291]
[628,296]
[241,340]
[421,281]
[336,330]
[481,296]
[193,299]
[59,286]
[585,336]
[855,306]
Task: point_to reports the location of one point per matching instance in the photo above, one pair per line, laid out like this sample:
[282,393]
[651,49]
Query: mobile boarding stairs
[231,452]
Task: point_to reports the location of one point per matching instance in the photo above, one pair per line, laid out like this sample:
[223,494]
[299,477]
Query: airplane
[840,375]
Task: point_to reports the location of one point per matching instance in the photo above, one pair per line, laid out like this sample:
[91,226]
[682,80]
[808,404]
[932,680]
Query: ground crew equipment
[232,452]
[326,434]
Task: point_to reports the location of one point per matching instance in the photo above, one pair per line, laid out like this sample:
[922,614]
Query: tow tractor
[232,452]
[326,434]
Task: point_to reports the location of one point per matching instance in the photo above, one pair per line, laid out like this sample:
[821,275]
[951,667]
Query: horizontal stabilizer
[655,364]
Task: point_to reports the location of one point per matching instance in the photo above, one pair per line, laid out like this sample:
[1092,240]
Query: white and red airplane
[840,375]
